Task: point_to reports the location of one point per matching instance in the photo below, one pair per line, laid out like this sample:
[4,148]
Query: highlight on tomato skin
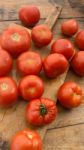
[77,63]
[31,87]
[41,35]
[70,95]
[26,140]
[64,47]
[16,40]
[55,65]
[29,15]
[8,92]
[29,63]
[79,40]
[40,112]
[69,27]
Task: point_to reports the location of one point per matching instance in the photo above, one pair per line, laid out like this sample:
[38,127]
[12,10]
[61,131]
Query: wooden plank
[67,138]
[14,119]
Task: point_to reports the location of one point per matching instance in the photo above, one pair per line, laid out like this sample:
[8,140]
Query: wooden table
[67,132]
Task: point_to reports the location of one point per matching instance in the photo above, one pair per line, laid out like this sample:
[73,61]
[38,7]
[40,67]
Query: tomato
[77,63]
[41,111]
[6,62]
[26,140]
[29,15]
[29,63]
[69,27]
[70,94]
[15,40]
[31,87]
[41,35]
[79,40]
[8,92]
[64,47]
[54,65]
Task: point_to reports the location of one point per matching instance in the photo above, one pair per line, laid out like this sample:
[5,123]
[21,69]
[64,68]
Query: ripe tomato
[70,94]
[77,63]
[41,35]
[54,65]
[64,47]
[8,91]
[69,27]
[15,40]
[26,140]
[29,15]
[29,63]
[31,87]
[79,40]
[41,111]
[6,62]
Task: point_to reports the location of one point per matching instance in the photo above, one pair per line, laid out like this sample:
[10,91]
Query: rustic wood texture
[67,132]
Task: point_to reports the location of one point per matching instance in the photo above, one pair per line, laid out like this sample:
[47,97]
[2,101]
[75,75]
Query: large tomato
[8,91]
[41,35]
[77,63]
[31,87]
[64,47]
[29,15]
[54,65]
[26,140]
[41,111]
[6,62]
[70,94]
[69,27]
[29,63]
[79,40]
[15,40]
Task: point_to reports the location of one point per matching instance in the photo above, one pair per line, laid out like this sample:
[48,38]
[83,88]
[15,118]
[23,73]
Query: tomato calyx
[15,37]
[43,110]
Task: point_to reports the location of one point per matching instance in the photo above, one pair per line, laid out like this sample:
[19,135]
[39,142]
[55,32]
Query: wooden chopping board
[13,119]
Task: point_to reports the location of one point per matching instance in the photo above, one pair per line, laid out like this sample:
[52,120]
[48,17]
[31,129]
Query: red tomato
[26,140]
[70,94]
[77,63]
[41,35]
[29,15]
[6,62]
[79,40]
[41,111]
[15,40]
[8,91]
[31,87]
[64,47]
[29,63]
[69,27]
[54,65]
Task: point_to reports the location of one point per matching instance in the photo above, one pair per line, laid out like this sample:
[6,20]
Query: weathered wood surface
[61,138]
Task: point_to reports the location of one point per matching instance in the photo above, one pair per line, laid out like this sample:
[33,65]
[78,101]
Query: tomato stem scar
[15,37]
[43,110]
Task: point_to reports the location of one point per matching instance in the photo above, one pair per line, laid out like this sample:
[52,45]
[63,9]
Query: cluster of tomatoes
[15,42]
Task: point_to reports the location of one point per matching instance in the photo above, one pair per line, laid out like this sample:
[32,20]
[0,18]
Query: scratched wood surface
[67,132]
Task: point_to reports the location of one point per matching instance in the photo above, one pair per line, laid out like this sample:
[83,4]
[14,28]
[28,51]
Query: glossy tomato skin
[15,40]
[41,111]
[31,87]
[29,63]
[6,62]
[77,63]
[8,92]
[26,140]
[64,47]
[41,35]
[29,15]
[69,27]
[79,40]
[54,65]
[70,94]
